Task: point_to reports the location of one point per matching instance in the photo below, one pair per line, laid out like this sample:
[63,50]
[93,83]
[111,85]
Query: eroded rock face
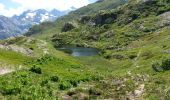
[104,18]
[165,19]
[16,48]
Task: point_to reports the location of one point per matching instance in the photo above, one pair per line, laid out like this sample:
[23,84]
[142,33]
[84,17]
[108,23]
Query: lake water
[80,51]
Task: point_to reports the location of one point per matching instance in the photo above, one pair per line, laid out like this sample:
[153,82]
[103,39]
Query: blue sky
[12,7]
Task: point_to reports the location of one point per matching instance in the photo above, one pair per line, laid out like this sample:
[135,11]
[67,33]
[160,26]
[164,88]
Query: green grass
[13,57]
[128,50]
[95,77]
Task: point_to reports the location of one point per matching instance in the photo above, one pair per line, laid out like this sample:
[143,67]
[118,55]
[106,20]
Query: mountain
[38,16]
[77,14]
[20,24]
[8,27]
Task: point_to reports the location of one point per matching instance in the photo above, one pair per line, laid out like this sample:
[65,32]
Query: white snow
[30,15]
[44,18]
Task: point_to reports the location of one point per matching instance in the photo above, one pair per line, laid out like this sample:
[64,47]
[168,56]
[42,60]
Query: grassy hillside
[47,29]
[116,28]
[134,59]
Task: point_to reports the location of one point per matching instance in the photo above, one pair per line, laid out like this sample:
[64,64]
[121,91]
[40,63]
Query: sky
[15,7]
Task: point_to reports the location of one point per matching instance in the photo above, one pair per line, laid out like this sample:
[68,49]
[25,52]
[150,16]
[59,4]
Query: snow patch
[44,18]
[30,15]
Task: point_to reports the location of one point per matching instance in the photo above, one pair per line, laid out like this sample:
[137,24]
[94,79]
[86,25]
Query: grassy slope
[91,73]
[118,77]
[46,30]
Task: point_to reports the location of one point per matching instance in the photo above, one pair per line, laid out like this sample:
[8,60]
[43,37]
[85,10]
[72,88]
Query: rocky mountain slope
[74,15]
[8,27]
[20,24]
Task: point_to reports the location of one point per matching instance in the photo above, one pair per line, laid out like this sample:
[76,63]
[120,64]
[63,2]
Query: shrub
[74,82]
[36,69]
[64,85]
[54,78]
[156,67]
[44,82]
[9,90]
[132,56]
[166,64]
[96,78]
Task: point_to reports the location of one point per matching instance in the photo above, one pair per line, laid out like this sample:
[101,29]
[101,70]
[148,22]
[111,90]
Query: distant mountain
[38,16]
[29,17]
[8,27]
[19,24]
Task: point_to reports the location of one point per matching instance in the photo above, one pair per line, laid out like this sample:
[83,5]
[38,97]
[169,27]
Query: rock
[104,18]
[67,27]
[85,19]
[117,82]
[139,91]
[16,48]
[165,19]
[66,97]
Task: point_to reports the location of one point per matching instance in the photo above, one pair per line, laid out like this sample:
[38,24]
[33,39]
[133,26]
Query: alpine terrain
[107,50]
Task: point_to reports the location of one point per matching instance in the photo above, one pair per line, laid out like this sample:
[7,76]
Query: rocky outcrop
[85,19]
[104,18]
[67,27]
[8,28]
[165,19]
[16,48]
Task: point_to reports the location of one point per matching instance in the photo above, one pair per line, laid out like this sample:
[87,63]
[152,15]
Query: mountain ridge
[26,20]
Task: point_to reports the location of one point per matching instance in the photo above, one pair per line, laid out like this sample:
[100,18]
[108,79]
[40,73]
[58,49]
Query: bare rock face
[137,93]
[16,48]
[8,28]
[165,19]
[104,18]
[67,27]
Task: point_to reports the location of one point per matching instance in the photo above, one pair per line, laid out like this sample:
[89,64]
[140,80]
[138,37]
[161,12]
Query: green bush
[10,90]
[36,69]
[132,56]
[44,82]
[64,85]
[73,82]
[166,64]
[54,78]
[163,66]
[156,67]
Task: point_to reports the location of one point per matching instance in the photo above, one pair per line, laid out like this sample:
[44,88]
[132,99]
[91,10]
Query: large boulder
[165,19]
